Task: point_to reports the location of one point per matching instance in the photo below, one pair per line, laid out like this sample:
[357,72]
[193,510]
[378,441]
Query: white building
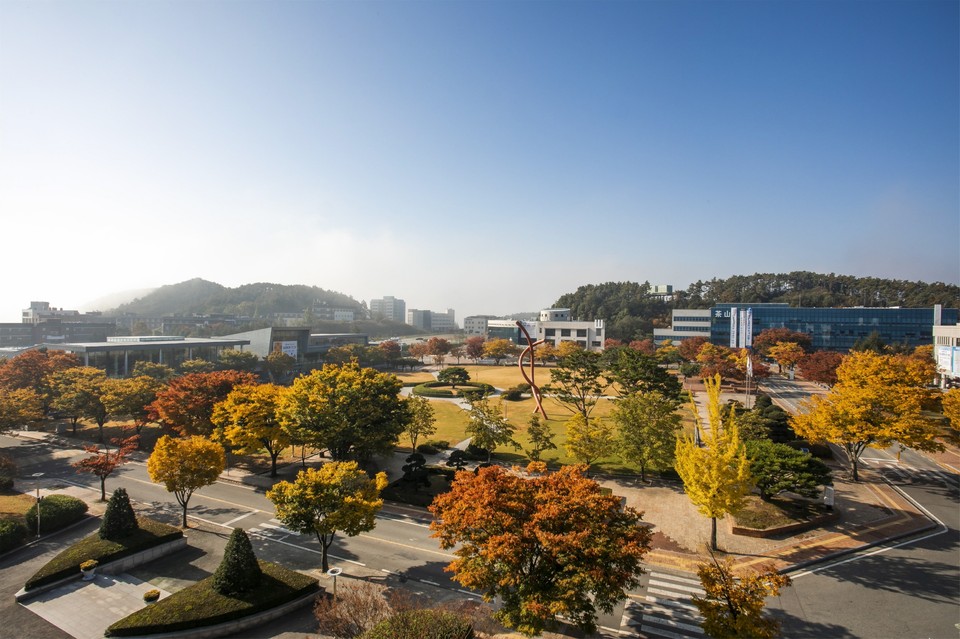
[433,320]
[555,326]
[476,324]
[946,352]
[684,324]
[389,308]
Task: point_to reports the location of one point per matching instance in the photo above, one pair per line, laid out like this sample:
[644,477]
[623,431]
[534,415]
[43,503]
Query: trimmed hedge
[442,389]
[422,624]
[56,512]
[12,534]
[150,533]
[201,605]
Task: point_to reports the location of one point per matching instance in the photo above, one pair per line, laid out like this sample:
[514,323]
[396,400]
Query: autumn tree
[566,348]
[776,468]
[668,353]
[247,421]
[498,349]
[278,365]
[102,462]
[589,440]
[422,421]
[390,350]
[19,407]
[877,400]
[237,360]
[732,607]
[631,372]
[547,547]
[645,346]
[716,477]
[770,337]
[159,372]
[474,347]
[186,404]
[79,392]
[132,397]
[346,409]
[648,425]
[786,354]
[488,428]
[31,369]
[438,348]
[417,350]
[718,360]
[540,436]
[196,365]
[337,497]
[951,408]
[689,348]
[576,382]
[821,366]
[545,353]
[185,465]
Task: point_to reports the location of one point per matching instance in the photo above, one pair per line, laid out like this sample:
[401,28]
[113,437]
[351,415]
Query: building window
[564,332]
[550,332]
[581,332]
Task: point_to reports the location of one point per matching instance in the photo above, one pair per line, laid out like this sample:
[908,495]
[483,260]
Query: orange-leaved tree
[548,547]
[732,605]
[103,462]
[185,465]
[186,405]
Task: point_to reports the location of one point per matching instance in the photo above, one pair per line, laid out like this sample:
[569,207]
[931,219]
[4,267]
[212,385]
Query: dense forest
[632,313]
[261,300]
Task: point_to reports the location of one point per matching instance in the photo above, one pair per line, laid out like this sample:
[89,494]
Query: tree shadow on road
[797,628]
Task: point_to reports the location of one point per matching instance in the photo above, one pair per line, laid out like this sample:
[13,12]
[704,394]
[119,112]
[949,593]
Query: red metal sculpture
[534,389]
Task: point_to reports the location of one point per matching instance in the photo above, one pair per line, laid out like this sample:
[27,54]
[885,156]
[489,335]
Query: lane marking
[236,519]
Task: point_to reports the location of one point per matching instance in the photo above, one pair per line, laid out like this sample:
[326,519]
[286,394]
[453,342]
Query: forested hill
[198,296]
[631,312]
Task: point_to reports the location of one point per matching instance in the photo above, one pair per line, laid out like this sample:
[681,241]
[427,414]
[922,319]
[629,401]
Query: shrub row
[422,624]
[441,389]
[12,534]
[56,512]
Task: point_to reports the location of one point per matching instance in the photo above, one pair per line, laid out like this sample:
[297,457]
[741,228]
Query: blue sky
[481,156]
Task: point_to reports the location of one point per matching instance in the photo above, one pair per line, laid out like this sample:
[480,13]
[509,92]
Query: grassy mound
[151,533]
[201,605]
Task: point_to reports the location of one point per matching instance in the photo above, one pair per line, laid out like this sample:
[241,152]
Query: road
[904,589]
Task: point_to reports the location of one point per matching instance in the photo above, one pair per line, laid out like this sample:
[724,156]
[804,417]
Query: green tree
[119,520]
[454,375]
[197,365]
[278,365]
[237,360]
[186,465]
[589,441]
[346,409]
[488,428]
[159,372]
[337,497]
[732,608]
[776,468]
[132,397]
[239,570]
[576,382]
[247,421]
[540,436]
[422,420]
[546,547]
[715,477]
[648,424]
[631,371]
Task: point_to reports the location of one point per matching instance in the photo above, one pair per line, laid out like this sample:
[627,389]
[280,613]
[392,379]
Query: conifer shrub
[239,570]
[119,520]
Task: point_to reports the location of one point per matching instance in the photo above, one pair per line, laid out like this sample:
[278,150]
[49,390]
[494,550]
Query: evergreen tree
[119,520]
[239,570]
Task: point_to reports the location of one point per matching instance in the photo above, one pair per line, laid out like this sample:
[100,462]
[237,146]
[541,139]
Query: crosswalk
[665,610]
[905,474]
[272,529]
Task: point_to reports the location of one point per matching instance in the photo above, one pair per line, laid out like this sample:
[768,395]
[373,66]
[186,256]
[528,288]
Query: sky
[482,156]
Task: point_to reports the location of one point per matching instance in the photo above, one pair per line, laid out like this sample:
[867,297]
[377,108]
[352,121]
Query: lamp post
[333,572]
[37,476]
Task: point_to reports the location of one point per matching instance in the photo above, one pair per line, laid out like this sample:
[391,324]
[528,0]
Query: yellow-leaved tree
[716,475]
[247,420]
[732,605]
[185,465]
[337,497]
[877,400]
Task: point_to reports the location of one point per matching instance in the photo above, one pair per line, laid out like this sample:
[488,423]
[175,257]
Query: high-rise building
[389,308]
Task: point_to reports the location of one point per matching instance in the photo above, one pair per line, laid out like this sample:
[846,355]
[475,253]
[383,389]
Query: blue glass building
[835,329]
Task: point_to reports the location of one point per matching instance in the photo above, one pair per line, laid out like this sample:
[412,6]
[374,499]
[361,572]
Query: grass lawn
[14,505]
[415,378]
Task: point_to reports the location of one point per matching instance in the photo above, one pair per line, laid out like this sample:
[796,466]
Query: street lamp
[37,476]
[333,572]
